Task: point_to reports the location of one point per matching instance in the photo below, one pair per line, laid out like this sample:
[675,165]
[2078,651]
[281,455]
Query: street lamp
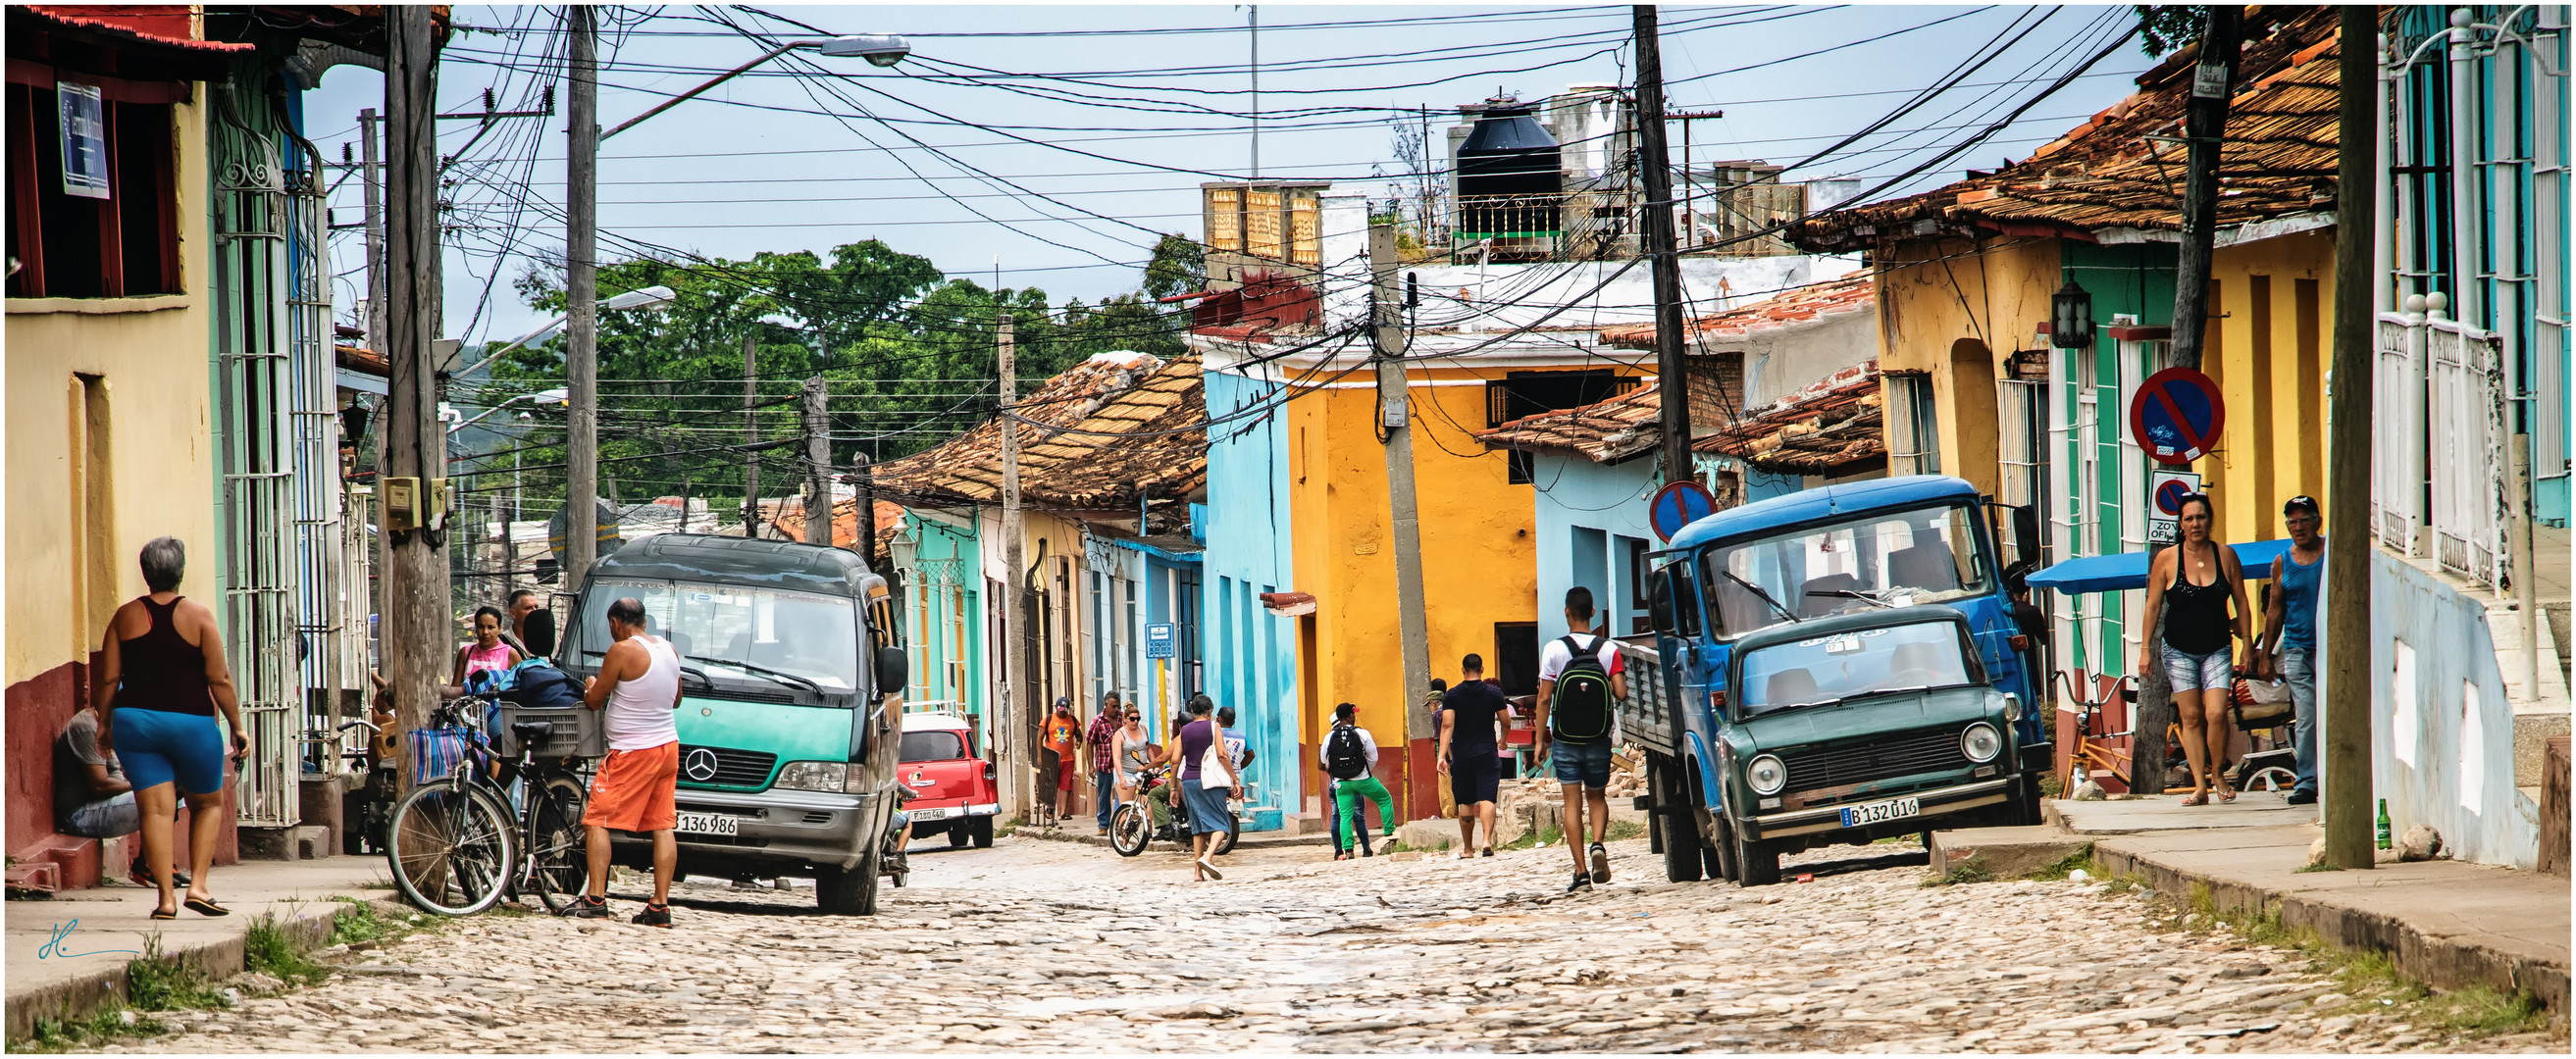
[456,422]
[645,298]
[581,242]
[2070,317]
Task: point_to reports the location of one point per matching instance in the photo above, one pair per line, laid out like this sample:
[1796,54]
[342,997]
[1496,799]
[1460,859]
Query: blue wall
[2435,759]
[1586,514]
[1250,658]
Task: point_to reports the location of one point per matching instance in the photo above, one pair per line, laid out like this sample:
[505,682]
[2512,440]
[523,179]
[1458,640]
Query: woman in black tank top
[2193,586]
[157,704]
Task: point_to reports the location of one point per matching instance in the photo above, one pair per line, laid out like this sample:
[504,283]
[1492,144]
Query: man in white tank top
[638,786]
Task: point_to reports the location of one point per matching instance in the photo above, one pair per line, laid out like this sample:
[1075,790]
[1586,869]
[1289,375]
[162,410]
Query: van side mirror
[1668,602]
[893,671]
[2024,522]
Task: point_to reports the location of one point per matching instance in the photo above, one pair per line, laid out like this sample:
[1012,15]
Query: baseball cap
[1063,703]
[2299,502]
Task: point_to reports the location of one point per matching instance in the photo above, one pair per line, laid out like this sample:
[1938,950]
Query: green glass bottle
[2383,824]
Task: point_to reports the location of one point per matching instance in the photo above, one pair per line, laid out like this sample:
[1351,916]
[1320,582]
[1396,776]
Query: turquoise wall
[1586,513]
[1248,654]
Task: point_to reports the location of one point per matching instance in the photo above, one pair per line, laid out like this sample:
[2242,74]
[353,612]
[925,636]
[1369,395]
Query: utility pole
[581,297]
[750,435]
[371,174]
[2344,761]
[1654,157]
[1256,91]
[1017,759]
[818,464]
[2204,130]
[1386,318]
[416,626]
[863,479]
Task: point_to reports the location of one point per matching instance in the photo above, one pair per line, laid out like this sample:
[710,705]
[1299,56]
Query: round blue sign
[2169,497]
[2176,416]
[1677,505]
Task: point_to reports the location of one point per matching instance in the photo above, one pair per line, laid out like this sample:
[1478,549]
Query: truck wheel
[983,832]
[847,891]
[1681,846]
[1718,852]
[1757,863]
[2026,800]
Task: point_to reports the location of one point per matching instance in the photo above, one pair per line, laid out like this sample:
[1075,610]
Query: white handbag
[1212,766]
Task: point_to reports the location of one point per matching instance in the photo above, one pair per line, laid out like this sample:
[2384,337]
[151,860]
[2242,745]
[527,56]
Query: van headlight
[1981,742]
[1766,775]
[813,776]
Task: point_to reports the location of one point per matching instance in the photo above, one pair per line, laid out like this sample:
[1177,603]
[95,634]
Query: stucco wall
[2267,348]
[1577,494]
[1249,654]
[2442,738]
[1955,310]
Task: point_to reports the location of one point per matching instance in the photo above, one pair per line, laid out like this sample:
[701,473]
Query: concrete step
[2003,852]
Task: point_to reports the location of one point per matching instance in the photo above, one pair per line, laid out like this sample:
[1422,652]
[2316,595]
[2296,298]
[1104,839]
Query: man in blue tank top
[2290,629]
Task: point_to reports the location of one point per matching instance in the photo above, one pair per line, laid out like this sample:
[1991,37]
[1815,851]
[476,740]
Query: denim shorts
[1584,763]
[2210,672]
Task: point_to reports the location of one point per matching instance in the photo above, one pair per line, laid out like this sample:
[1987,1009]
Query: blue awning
[2128,570]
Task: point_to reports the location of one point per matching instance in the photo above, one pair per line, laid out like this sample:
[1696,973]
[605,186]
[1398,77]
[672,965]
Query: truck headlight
[813,776]
[1981,743]
[1766,775]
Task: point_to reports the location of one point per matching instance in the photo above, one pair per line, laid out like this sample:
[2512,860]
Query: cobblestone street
[1038,945]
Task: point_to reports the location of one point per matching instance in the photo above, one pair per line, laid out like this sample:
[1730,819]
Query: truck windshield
[1884,559]
[798,634]
[1827,669]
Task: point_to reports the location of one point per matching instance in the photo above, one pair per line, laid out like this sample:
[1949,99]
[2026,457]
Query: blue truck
[1837,665]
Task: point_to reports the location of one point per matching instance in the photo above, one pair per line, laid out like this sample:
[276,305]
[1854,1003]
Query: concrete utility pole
[581,298]
[2204,130]
[1017,760]
[1654,159]
[416,627]
[750,435]
[371,174]
[2344,761]
[818,465]
[864,480]
[1386,318]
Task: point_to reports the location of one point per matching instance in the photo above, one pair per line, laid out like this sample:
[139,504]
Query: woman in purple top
[1209,815]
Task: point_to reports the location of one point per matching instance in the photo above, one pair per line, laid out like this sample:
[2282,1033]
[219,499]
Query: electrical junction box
[439,501]
[402,504]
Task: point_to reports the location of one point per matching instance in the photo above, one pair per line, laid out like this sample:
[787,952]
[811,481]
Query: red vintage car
[953,789]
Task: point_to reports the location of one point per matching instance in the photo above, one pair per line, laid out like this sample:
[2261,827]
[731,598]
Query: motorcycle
[1152,817]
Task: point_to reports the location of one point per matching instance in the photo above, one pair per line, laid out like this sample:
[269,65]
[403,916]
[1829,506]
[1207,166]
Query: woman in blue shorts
[2193,585]
[162,676]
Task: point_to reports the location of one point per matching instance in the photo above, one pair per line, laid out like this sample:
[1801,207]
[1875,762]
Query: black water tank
[1509,176]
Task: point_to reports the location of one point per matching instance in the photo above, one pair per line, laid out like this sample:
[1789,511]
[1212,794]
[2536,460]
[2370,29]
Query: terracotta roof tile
[1828,426]
[1789,308]
[1072,452]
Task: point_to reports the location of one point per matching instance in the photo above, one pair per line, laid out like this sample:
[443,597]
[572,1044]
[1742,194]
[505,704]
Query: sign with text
[1160,641]
[84,117]
[2165,491]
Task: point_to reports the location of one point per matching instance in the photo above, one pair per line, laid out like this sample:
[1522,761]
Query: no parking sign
[2176,416]
[2165,491]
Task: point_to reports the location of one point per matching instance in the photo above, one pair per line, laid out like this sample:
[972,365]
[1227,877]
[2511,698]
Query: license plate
[1881,812]
[708,824]
[942,813]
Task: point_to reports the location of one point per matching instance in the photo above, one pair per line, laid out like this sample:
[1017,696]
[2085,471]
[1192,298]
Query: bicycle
[450,840]
[2092,752]
[1150,816]
[375,796]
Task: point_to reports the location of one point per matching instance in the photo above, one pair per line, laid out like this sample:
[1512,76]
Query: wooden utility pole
[1654,160]
[416,627]
[371,175]
[1386,318]
[818,465]
[2204,130]
[2344,785]
[750,435]
[1018,759]
[581,298]
[863,480]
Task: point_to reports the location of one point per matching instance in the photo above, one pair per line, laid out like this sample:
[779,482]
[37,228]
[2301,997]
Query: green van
[790,686]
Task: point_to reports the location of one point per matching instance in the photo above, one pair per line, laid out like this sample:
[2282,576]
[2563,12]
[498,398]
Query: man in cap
[2288,645]
[1062,757]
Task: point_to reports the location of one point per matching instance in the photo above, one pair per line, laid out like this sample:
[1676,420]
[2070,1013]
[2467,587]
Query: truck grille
[734,768]
[1928,750]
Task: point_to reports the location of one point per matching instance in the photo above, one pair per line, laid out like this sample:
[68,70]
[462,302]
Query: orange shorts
[636,790]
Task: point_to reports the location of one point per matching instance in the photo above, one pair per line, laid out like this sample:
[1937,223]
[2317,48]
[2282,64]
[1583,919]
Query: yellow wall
[2268,355]
[151,355]
[1992,294]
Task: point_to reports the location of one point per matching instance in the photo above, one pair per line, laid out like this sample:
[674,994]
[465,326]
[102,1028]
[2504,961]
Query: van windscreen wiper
[776,675]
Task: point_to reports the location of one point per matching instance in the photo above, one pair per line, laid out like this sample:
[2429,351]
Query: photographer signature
[54,947]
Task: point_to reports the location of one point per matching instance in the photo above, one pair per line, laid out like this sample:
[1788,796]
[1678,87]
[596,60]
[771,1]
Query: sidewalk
[67,955]
[2445,923]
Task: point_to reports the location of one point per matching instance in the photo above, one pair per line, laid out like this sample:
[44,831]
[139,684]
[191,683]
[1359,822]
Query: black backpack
[1580,712]
[544,686]
[1344,756]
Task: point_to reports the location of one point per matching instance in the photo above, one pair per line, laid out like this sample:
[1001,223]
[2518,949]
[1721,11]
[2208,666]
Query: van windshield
[800,634]
[1917,656]
[1885,559]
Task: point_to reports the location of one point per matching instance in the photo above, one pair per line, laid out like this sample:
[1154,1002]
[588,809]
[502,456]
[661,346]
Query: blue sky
[1121,111]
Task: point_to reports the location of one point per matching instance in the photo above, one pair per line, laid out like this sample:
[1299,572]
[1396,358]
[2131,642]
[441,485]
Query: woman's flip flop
[165,913]
[2196,798]
[205,907]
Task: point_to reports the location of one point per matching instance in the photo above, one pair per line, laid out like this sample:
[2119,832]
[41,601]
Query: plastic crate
[578,731]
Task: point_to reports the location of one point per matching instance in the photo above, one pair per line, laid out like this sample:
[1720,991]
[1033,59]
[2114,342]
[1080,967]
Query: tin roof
[2124,168]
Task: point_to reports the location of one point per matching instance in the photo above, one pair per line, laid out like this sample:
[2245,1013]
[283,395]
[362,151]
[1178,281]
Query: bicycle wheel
[1130,827]
[558,855]
[451,848]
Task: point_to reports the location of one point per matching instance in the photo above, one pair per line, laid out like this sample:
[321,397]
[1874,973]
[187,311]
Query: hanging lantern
[2070,317]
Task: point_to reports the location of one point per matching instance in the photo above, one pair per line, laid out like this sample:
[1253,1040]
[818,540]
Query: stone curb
[2419,953]
[307,926]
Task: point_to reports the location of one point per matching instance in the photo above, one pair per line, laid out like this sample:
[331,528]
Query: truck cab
[790,683]
[1847,586]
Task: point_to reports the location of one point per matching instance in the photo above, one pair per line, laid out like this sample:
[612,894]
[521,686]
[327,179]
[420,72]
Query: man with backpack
[1579,675]
[1349,751]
